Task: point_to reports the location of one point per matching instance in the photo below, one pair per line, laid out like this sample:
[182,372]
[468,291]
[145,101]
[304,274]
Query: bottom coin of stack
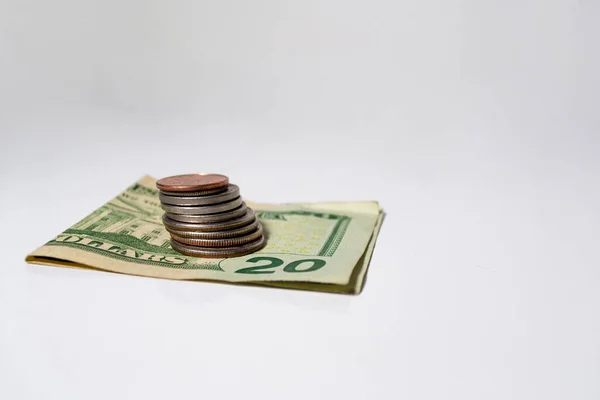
[206,217]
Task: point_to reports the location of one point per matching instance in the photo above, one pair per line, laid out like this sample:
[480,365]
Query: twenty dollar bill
[316,246]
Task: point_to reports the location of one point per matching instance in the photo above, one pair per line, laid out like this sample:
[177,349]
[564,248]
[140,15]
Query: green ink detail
[316,264]
[279,214]
[126,240]
[104,253]
[142,190]
[274,262]
[335,238]
[271,215]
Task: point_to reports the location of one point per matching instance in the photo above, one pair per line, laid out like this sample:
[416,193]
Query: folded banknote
[314,246]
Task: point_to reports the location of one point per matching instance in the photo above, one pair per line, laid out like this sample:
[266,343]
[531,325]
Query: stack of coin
[206,217]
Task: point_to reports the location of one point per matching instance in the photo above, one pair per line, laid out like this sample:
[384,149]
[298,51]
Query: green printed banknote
[314,246]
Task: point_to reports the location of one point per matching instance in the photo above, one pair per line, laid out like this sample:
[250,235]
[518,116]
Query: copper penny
[192,182]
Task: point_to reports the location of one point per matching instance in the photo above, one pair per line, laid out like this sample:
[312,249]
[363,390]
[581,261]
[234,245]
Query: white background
[474,123]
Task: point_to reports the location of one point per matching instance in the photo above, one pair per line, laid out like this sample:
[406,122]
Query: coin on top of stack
[206,216]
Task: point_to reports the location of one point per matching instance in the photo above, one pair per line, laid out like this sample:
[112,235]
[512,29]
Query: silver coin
[221,242]
[231,193]
[229,233]
[206,192]
[210,218]
[201,230]
[216,252]
[203,210]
